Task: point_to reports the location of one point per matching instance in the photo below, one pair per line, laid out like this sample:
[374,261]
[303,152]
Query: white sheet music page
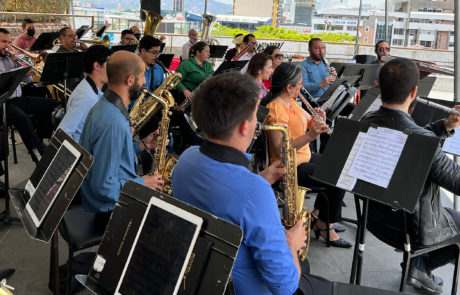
[346,181]
[375,105]
[378,155]
[452,144]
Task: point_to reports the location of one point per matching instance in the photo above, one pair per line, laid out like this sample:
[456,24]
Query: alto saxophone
[147,105]
[294,195]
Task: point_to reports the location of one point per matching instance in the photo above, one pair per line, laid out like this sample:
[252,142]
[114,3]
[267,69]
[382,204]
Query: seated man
[88,91]
[19,107]
[192,39]
[69,43]
[149,51]
[431,223]
[127,37]
[107,136]
[215,178]
[136,32]
[26,39]
[315,76]
[382,48]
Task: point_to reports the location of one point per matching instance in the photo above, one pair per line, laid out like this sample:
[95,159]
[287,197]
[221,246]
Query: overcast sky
[351,3]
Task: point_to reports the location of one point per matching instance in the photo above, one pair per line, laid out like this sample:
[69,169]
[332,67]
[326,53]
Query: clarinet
[438,106]
[325,63]
[311,109]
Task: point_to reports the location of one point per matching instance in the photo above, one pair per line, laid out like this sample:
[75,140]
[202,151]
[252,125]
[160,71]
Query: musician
[88,91]
[136,32]
[249,39]
[215,178]
[19,107]
[431,223]
[261,68]
[195,69]
[277,56]
[315,77]
[382,48]
[149,51]
[107,136]
[231,53]
[68,40]
[26,39]
[127,37]
[192,39]
[287,82]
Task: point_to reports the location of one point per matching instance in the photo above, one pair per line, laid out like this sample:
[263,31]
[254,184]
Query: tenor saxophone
[294,195]
[147,105]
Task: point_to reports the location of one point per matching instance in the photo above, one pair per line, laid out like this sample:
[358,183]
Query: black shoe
[338,228]
[341,243]
[437,280]
[423,282]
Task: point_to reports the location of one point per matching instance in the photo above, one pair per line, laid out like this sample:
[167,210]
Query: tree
[43,6]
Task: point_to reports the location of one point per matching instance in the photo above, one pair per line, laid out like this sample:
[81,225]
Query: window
[398,42]
[320,27]
[366,29]
[366,40]
[337,28]
[399,32]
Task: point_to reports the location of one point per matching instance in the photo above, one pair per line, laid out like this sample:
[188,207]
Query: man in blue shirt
[88,91]
[149,51]
[215,178]
[107,136]
[315,76]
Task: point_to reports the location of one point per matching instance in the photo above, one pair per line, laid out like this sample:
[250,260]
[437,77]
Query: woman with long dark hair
[284,109]
[260,67]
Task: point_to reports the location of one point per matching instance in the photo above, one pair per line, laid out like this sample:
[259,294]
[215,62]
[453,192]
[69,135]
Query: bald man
[192,39]
[107,136]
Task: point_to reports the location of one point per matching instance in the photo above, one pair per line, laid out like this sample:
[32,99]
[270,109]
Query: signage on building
[341,22]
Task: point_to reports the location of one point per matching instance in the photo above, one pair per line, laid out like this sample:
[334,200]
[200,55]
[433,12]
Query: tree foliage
[270,32]
[43,6]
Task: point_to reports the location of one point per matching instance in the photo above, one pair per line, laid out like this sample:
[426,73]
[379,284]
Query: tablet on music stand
[159,264]
[130,48]
[217,51]
[44,41]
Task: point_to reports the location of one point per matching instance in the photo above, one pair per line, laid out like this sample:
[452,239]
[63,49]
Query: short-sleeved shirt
[294,118]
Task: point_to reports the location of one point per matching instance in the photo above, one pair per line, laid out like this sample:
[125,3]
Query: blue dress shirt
[264,264]
[82,99]
[158,77]
[312,75]
[106,135]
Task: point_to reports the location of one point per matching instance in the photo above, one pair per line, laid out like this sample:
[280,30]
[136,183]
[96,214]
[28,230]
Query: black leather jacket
[430,223]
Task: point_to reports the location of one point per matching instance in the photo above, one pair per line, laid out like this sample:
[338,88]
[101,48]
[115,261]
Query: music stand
[214,252]
[217,51]
[166,59]
[162,47]
[335,106]
[9,81]
[402,192]
[228,65]
[130,48]
[365,104]
[44,41]
[81,31]
[101,30]
[61,67]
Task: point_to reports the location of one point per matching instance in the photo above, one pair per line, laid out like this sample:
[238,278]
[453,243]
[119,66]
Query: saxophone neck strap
[115,99]
[224,154]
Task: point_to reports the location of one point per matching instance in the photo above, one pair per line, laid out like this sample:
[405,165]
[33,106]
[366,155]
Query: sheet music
[375,105]
[378,156]
[452,144]
[346,181]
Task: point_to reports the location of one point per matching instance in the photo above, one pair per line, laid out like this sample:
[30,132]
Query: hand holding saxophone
[296,236]
[453,121]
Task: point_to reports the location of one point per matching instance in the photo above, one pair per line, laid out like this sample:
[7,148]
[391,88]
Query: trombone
[104,41]
[38,69]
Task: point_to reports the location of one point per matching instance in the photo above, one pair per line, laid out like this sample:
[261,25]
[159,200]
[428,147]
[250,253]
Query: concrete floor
[30,257]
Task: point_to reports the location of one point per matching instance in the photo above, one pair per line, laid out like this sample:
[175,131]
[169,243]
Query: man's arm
[309,82]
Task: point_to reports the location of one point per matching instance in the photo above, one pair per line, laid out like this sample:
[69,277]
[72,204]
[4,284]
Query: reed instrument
[294,195]
[326,64]
[242,52]
[438,106]
[310,108]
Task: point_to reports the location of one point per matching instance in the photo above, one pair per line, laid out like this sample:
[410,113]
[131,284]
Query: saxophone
[294,195]
[147,105]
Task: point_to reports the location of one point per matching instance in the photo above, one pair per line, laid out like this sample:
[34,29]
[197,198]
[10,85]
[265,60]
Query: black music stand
[364,104]
[101,30]
[81,31]
[342,99]
[162,47]
[402,192]
[214,252]
[368,73]
[130,48]
[217,51]
[228,65]
[166,59]
[61,67]
[44,41]
[9,81]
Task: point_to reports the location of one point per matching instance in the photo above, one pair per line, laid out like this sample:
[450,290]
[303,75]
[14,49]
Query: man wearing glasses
[382,48]
[127,37]
[69,43]
[149,51]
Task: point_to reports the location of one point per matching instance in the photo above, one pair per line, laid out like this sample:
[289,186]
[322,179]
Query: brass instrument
[104,41]
[145,107]
[152,21]
[294,195]
[36,58]
[208,22]
[5,289]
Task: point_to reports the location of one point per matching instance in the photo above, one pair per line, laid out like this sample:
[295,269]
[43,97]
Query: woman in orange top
[286,84]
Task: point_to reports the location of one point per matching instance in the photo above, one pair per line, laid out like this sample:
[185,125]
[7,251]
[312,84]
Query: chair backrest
[78,228]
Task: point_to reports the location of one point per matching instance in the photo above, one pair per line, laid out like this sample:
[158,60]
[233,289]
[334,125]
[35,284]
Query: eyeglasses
[154,52]
[382,49]
[253,43]
[279,56]
[73,36]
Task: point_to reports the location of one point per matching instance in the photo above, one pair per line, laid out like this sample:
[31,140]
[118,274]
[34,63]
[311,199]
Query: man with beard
[382,48]
[192,39]
[315,77]
[107,136]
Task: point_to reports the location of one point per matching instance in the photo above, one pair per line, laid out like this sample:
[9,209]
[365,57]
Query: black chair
[78,229]
[391,227]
